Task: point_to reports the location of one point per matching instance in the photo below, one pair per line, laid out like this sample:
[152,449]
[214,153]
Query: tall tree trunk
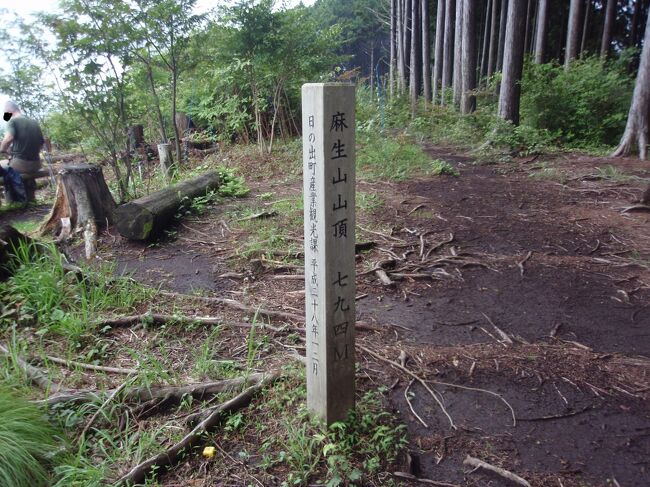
[177,135]
[393,48]
[426,53]
[513,62]
[458,54]
[414,90]
[636,129]
[486,38]
[494,33]
[437,64]
[529,14]
[401,54]
[448,48]
[468,100]
[635,23]
[608,27]
[573,34]
[540,34]
[502,33]
[408,4]
[585,28]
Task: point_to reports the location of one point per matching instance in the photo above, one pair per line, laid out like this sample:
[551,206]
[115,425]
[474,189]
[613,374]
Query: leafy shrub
[520,140]
[584,106]
[26,442]
[440,167]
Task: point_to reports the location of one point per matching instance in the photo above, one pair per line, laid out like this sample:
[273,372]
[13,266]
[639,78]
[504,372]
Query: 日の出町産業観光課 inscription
[328,111]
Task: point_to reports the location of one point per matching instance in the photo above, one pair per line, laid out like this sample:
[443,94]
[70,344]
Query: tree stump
[146,217]
[166,160]
[82,196]
[10,238]
[136,136]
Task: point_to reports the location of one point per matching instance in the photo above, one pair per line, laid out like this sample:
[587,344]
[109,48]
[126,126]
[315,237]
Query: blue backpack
[14,186]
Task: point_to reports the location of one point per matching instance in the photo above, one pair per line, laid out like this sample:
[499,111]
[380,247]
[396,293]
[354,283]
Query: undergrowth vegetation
[52,300]
[28,442]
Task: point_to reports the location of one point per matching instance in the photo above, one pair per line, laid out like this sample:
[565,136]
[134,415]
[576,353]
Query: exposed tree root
[476,463]
[99,368]
[172,455]
[35,375]
[231,303]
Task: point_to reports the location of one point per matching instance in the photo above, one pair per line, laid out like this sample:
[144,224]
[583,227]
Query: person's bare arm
[8,139]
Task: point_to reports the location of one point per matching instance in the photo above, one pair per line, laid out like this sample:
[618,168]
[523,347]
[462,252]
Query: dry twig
[476,463]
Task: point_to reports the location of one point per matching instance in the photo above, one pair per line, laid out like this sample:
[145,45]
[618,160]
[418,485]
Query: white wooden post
[328,121]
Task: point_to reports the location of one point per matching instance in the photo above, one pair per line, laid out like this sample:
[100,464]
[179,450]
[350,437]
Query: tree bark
[393,48]
[486,38]
[608,27]
[146,217]
[458,54]
[502,33]
[494,39]
[437,65]
[426,53]
[573,33]
[540,35]
[636,129]
[82,196]
[401,49]
[585,27]
[414,63]
[448,55]
[527,36]
[468,99]
[513,62]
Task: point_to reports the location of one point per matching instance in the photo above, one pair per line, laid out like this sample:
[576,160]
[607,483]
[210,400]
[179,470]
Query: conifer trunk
[393,49]
[468,100]
[458,54]
[448,55]
[636,129]
[494,39]
[503,23]
[414,63]
[573,33]
[540,34]
[426,53]
[437,64]
[513,62]
[610,17]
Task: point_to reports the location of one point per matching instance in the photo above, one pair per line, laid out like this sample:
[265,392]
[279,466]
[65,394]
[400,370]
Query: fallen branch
[162,319]
[231,303]
[476,463]
[408,401]
[263,214]
[635,208]
[171,456]
[383,277]
[144,394]
[408,476]
[521,263]
[504,336]
[414,376]
[99,368]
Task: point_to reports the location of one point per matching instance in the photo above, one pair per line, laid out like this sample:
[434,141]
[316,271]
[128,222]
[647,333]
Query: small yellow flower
[208,451]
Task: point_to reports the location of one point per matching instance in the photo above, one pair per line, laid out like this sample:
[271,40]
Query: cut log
[10,238]
[146,217]
[82,196]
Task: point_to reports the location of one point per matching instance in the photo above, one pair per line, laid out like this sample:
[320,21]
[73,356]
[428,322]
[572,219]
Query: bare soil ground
[526,310]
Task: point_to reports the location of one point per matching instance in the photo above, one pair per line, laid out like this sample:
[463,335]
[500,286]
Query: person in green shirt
[23,141]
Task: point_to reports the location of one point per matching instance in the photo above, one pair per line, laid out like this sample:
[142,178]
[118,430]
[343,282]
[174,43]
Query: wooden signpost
[328,121]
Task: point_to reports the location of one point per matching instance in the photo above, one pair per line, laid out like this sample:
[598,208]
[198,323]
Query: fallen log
[146,217]
[171,456]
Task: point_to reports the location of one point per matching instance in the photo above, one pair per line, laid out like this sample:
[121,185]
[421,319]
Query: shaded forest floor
[518,285]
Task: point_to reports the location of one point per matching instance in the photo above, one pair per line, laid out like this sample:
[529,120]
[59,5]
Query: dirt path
[540,251]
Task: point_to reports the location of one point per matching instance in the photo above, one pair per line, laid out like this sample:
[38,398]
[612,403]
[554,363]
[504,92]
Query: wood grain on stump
[82,196]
